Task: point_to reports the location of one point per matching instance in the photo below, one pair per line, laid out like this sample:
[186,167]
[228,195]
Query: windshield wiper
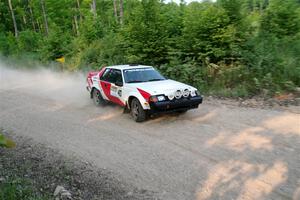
[156,79]
[135,81]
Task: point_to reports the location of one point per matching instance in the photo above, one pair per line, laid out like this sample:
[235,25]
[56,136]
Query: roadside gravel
[46,169]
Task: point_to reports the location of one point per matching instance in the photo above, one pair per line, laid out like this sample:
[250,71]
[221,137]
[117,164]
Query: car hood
[162,87]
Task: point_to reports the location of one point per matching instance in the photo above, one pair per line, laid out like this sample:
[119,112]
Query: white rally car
[141,90]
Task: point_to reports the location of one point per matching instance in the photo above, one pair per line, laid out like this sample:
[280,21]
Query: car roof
[122,67]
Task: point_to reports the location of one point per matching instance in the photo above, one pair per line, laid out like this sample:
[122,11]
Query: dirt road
[215,152]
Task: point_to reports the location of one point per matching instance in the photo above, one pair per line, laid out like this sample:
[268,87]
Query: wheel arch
[92,90]
[130,98]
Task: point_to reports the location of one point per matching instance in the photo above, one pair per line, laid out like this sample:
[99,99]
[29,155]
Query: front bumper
[175,105]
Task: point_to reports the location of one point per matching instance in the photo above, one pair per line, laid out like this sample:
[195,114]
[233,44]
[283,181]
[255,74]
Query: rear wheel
[137,111]
[97,98]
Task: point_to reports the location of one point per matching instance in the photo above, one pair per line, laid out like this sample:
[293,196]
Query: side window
[118,76]
[112,75]
[106,75]
[115,75]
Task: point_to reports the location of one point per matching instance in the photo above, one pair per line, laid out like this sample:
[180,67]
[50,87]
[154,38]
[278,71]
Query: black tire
[137,112]
[97,98]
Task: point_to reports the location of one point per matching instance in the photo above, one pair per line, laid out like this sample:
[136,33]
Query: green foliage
[18,189]
[281,18]
[145,35]
[4,142]
[273,55]
[29,41]
[225,47]
[55,45]
[232,9]
[92,30]
[190,73]
[207,32]
[8,44]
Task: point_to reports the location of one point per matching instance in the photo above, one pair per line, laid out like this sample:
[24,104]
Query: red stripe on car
[145,94]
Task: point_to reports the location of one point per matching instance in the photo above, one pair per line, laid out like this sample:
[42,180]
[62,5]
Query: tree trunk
[45,16]
[31,16]
[39,25]
[13,18]
[121,12]
[115,11]
[73,25]
[93,7]
[78,7]
[75,17]
[24,20]
[76,25]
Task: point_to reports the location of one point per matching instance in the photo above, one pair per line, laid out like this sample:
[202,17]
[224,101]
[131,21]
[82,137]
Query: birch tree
[45,16]
[31,15]
[13,18]
[121,11]
[78,7]
[115,11]
[93,8]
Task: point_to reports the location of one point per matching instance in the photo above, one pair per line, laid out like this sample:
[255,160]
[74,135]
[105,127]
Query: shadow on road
[265,162]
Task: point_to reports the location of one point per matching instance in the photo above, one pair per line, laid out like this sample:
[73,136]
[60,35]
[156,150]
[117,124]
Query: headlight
[186,93]
[178,94]
[161,98]
[153,99]
[157,98]
[193,93]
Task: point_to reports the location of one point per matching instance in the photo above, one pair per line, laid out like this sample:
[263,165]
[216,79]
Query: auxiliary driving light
[171,97]
[186,93]
[178,94]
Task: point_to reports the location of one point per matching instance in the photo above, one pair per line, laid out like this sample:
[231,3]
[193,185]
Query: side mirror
[119,83]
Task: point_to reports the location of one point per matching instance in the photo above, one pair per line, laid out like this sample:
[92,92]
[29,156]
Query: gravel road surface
[218,151]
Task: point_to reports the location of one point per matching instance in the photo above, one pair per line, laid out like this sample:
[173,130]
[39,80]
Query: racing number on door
[114,91]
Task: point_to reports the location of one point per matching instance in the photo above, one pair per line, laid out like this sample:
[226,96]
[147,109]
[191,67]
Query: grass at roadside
[15,188]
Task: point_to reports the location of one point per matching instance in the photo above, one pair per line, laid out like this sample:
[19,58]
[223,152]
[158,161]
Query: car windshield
[142,75]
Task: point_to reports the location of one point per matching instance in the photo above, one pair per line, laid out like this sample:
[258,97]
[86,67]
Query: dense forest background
[223,47]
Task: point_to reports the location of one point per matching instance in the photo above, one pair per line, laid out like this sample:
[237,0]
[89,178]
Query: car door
[104,84]
[112,91]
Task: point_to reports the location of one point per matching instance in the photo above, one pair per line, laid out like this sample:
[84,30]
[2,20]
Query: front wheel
[137,111]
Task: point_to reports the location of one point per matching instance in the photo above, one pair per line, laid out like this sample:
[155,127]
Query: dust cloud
[64,88]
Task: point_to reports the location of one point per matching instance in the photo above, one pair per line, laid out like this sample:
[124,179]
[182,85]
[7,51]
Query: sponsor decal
[139,69]
[113,88]
[114,91]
